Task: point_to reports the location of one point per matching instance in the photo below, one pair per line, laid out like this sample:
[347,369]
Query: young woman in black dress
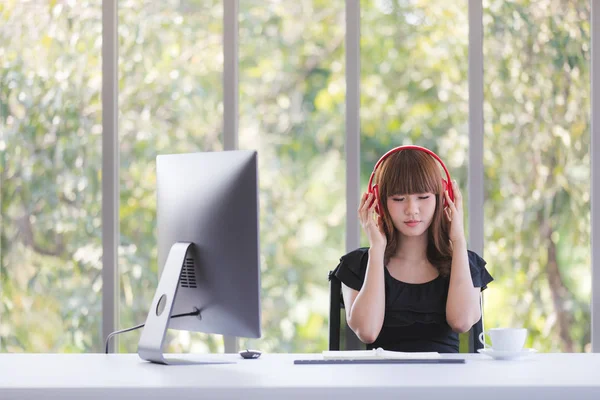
[416,286]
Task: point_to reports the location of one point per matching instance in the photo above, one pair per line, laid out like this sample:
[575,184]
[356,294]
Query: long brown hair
[409,172]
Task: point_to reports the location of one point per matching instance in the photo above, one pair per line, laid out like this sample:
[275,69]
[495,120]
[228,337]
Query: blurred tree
[292,88]
[170,101]
[50,193]
[537,124]
[292,111]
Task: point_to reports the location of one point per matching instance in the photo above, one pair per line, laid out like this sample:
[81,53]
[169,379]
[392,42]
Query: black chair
[336,305]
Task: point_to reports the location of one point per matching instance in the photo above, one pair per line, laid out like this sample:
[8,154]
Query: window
[537,168]
[170,101]
[414,84]
[50,187]
[292,99]
[414,87]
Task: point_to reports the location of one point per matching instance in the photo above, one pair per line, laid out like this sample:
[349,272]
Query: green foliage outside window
[414,89]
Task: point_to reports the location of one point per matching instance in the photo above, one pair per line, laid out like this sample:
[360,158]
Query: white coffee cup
[505,339]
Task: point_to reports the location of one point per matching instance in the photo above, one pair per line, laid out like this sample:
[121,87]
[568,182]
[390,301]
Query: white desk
[274,376]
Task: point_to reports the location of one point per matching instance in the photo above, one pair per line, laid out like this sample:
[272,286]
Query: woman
[416,286]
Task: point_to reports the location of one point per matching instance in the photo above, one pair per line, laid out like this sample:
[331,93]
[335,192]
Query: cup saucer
[507,355]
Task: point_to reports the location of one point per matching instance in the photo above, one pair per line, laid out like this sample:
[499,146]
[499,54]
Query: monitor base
[153,335]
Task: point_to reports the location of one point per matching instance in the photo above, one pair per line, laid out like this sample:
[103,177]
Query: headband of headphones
[447,183]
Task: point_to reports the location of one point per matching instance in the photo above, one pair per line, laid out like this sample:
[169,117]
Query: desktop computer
[208,248]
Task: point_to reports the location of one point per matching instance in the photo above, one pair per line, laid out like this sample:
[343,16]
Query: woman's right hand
[371,222]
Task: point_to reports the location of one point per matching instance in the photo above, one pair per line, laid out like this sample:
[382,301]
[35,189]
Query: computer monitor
[208,248]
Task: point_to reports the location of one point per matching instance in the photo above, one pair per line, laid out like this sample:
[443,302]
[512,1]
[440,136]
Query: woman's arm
[463,307]
[365,309]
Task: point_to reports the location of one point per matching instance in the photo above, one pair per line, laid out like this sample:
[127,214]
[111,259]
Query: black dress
[415,314]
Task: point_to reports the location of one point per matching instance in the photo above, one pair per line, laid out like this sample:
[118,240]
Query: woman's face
[412,213]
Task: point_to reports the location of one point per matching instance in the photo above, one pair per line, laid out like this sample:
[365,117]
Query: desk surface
[274,376]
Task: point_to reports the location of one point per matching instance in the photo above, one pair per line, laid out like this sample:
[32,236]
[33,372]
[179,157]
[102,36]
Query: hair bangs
[409,172]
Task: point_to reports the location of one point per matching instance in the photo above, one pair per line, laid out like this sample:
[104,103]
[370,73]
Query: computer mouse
[250,354]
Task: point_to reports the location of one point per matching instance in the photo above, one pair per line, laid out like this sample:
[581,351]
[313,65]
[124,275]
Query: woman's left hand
[454,214]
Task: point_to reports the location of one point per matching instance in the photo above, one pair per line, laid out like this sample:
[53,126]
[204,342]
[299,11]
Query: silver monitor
[208,248]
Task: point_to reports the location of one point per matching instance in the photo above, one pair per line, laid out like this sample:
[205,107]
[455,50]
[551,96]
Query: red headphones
[375,189]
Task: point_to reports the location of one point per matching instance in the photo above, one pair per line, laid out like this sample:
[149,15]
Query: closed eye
[399,199]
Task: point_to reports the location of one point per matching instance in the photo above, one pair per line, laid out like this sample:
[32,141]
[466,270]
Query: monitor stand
[154,332]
